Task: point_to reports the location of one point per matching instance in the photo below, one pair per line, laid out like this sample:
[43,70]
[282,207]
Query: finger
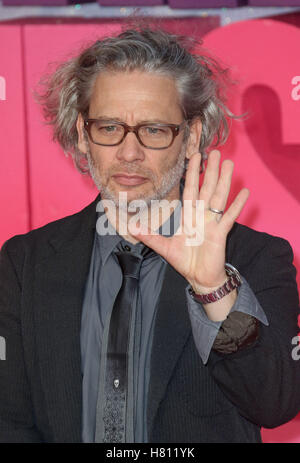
[191,187]
[220,196]
[210,177]
[234,210]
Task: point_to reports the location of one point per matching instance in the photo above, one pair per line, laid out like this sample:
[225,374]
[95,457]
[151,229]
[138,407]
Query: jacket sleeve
[237,331]
[16,412]
[262,380]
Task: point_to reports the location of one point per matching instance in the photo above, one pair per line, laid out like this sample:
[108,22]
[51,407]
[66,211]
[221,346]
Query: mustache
[129,168]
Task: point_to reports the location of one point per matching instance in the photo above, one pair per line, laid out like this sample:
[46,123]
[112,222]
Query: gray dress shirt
[103,283]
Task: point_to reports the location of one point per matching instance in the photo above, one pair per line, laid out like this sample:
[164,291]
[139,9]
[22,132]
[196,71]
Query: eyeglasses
[154,136]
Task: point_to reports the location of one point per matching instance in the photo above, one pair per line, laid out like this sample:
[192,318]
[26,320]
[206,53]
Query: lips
[131,180]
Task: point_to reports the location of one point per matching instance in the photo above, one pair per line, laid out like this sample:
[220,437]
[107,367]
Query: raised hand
[202,264]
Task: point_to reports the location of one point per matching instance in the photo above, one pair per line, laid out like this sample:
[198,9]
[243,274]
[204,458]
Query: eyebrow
[117,119]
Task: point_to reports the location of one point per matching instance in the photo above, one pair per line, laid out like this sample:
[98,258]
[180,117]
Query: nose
[130,149]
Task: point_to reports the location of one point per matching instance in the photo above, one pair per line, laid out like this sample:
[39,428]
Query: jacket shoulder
[53,231]
[249,248]
[242,235]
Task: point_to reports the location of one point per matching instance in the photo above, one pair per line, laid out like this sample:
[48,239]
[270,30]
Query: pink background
[39,184]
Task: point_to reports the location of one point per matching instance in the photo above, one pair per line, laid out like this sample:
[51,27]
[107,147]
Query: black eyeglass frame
[175,128]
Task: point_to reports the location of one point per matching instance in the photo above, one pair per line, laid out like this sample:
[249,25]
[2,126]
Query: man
[129,335]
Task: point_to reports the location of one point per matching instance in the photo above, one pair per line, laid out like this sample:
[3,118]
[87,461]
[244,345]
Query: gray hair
[200,80]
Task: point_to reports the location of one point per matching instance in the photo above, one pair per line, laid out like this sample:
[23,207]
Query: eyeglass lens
[154,136]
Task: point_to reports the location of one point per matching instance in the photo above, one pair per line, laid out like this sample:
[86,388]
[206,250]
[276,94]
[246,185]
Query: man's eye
[154,130]
[108,128]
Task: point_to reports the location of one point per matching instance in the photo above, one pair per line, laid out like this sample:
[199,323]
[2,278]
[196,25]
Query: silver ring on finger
[217,211]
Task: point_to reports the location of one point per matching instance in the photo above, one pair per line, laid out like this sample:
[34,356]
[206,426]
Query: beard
[161,187]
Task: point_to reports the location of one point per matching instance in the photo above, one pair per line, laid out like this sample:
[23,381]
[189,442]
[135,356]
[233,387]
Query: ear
[82,143]
[194,138]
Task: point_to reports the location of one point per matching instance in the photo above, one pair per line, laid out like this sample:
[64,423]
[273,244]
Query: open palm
[201,261]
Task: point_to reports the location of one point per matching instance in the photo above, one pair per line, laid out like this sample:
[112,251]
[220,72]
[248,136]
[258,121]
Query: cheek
[169,159]
[101,161]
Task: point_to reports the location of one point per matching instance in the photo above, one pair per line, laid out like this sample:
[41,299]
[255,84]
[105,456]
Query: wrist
[201,289]
[213,294]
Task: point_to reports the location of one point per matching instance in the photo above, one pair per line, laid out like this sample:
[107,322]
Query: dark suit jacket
[42,279]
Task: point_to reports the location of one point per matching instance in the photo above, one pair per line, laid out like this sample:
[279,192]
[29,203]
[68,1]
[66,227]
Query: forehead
[135,96]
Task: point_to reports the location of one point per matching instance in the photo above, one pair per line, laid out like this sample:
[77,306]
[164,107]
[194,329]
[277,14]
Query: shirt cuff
[205,330]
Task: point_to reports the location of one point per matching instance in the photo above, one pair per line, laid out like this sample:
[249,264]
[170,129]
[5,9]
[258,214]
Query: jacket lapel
[172,328]
[59,283]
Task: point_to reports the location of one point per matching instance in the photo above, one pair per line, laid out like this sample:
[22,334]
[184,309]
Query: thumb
[150,238]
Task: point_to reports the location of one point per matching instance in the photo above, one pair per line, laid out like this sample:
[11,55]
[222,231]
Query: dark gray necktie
[116,380]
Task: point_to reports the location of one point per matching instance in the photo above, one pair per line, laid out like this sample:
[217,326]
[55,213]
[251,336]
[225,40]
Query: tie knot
[130,263]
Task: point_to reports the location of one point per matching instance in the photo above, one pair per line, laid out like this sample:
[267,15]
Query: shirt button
[127,248]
